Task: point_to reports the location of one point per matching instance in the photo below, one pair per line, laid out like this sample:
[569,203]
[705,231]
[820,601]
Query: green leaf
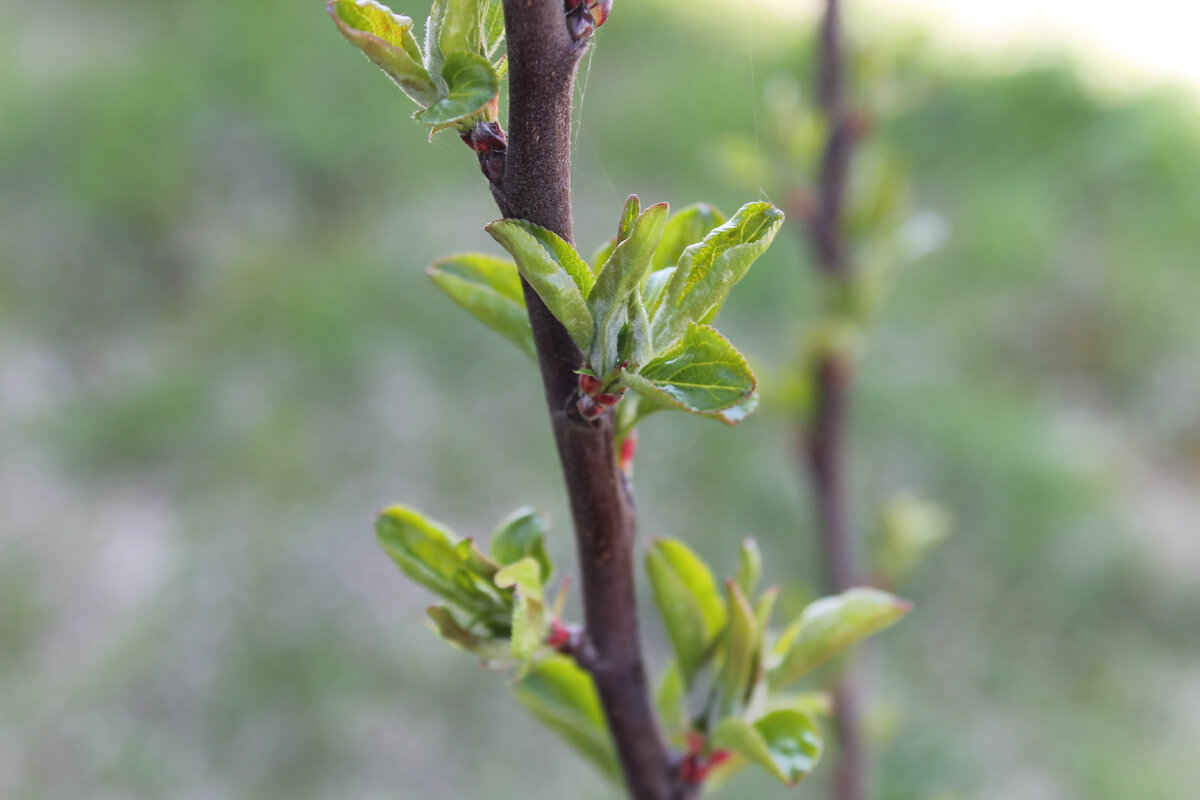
[387,40]
[830,625]
[493,28]
[786,743]
[564,698]
[654,287]
[709,269]
[687,599]
[490,289]
[461,28]
[702,373]
[685,228]
[633,207]
[670,700]
[749,566]
[554,270]
[449,628]
[742,643]
[525,576]
[529,624]
[522,534]
[428,553]
[619,279]
[471,83]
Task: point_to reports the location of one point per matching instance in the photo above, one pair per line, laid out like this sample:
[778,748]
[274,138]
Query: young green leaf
[449,628]
[554,270]
[654,287]
[633,207]
[786,743]
[461,27]
[522,534]
[742,646]
[685,228]
[619,279]
[493,28]
[830,625]
[702,373]
[670,700]
[471,83]
[489,288]
[525,576]
[564,698]
[749,566]
[687,599]
[709,269]
[529,625]
[428,553]
[387,40]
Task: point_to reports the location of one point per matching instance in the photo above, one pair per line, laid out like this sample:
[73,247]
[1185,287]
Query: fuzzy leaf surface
[387,40]
[686,227]
[709,269]
[554,270]
[490,289]
[619,279]
[702,373]
[471,83]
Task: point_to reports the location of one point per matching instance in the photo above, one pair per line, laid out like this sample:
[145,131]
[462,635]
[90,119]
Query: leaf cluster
[453,77]
[639,310]
[495,602]
[728,687]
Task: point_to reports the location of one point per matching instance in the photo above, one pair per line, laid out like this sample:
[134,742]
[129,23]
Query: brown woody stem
[826,442]
[535,185]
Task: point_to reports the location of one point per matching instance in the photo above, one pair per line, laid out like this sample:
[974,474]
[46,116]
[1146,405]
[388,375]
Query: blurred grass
[219,355]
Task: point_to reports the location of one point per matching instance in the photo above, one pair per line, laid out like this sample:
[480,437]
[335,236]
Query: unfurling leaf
[709,269]
[687,599]
[449,628]
[564,698]
[749,566]
[702,373]
[554,270]
[432,556]
[529,623]
[684,228]
[618,280]
[830,625]
[742,645]
[489,288]
[786,743]
[460,27]
[471,83]
[522,534]
[387,40]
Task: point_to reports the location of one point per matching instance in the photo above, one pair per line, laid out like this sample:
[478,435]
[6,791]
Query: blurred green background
[219,356]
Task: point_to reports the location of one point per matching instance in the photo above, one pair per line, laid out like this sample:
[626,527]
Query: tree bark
[826,446]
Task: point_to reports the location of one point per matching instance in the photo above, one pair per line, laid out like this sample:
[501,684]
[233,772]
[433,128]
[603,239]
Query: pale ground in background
[1130,44]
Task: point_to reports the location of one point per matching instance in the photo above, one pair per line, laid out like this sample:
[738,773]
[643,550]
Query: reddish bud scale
[559,635]
[589,384]
[606,400]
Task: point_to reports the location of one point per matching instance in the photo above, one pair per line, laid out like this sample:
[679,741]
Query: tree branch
[535,185]
[826,442]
